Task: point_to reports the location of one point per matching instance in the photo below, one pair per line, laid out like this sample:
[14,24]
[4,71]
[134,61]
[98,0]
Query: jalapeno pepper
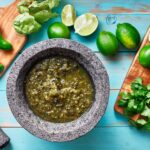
[4,44]
[1,67]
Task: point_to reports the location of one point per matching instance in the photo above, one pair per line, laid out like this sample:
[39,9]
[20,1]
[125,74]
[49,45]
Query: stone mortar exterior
[59,132]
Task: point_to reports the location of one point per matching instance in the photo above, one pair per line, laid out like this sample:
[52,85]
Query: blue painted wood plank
[109,119]
[113,138]
[105,6]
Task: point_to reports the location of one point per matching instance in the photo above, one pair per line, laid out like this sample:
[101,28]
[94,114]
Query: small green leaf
[146,112]
[125,95]
[132,122]
[122,103]
[147,126]
[128,113]
[148,95]
[137,84]
[148,101]
[138,80]
[138,123]
[132,107]
[131,103]
[141,122]
[140,107]
[148,87]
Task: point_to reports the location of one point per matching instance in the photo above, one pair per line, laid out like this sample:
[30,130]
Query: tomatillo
[144,56]
[58,30]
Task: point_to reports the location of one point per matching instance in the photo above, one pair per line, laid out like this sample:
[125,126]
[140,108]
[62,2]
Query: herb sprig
[137,102]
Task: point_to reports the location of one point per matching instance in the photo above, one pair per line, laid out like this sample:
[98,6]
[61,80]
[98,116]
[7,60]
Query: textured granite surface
[57,131]
[4,139]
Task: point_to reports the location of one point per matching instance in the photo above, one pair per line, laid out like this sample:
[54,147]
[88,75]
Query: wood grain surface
[7,15]
[136,70]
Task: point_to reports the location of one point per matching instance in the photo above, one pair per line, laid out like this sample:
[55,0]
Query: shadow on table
[8,147]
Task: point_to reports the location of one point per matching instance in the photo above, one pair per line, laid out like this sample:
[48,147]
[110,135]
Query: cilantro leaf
[125,95]
[141,122]
[140,107]
[122,103]
[148,87]
[147,126]
[148,95]
[138,81]
[146,112]
[137,102]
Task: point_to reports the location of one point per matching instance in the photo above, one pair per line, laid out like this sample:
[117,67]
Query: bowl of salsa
[58,90]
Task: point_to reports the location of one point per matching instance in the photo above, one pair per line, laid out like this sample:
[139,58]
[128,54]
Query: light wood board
[7,16]
[136,70]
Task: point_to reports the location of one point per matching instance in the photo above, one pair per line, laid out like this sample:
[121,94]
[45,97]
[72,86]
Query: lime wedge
[86,24]
[68,15]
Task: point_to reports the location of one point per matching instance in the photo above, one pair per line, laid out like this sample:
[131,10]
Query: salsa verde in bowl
[58,89]
[72,76]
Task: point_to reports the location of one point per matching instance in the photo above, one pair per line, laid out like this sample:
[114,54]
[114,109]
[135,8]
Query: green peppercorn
[1,67]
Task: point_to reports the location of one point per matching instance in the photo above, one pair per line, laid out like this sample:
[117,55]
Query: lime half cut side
[86,24]
[68,15]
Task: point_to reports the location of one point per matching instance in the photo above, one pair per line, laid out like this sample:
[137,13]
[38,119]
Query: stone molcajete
[57,131]
[4,139]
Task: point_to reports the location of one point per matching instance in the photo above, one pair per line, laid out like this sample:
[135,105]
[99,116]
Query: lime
[86,24]
[107,43]
[128,35]
[68,15]
[144,56]
[58,30]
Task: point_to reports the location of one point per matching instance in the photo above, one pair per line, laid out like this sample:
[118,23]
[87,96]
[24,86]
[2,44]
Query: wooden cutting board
[136,70]
[7,15]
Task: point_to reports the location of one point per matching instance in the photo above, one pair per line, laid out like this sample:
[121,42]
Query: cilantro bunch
[137,102]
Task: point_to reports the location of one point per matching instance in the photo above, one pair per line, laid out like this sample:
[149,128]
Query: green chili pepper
[1,67]
[4,45]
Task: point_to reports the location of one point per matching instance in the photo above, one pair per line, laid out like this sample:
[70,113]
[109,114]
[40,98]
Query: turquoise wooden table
[113,131]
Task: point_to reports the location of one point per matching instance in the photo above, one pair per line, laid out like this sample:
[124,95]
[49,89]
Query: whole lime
[128,35]
[107,43]
[144,56]
[58,30]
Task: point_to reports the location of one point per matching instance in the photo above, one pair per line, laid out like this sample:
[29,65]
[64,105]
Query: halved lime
[68,15]
[86,24]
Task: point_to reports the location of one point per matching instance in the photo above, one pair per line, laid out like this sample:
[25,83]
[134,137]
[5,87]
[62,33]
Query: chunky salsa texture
[58,89]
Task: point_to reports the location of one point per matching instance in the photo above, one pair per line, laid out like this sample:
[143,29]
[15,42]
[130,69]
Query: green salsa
[58,89]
